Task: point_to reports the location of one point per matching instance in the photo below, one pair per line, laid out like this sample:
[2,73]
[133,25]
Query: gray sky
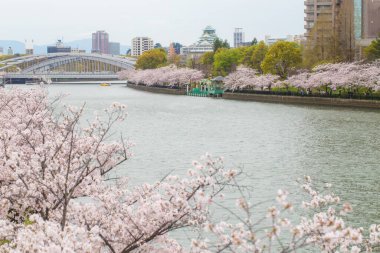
[162,20]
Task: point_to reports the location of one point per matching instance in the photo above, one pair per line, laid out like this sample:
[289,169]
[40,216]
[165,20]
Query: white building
[239,39]
[140,45]
[270,41]
[204,44]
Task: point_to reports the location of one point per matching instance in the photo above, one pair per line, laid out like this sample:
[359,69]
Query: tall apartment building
[326,10]
[1,51]
[238,37]
[100,42]
[140,45]
[366,15]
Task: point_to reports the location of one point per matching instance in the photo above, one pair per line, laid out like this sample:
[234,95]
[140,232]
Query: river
[273,143]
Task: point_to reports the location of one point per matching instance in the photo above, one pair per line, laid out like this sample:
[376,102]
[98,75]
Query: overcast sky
[163,20]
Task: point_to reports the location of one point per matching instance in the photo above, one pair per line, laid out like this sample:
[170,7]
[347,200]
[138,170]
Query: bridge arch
[50,62]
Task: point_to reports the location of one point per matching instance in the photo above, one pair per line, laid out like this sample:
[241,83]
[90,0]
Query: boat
[105,84]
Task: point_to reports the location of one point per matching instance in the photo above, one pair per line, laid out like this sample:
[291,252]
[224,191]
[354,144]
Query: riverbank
[355,103]
[157,89]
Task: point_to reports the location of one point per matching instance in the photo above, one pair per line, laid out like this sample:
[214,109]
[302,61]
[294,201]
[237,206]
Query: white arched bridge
[65,66]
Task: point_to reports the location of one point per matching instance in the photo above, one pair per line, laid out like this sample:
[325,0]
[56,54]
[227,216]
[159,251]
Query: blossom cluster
[56,194]
[339,76]
[324,228]
[165,76]
[248,78]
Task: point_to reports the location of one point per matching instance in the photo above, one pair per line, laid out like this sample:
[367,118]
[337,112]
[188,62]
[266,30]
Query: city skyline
[164,21]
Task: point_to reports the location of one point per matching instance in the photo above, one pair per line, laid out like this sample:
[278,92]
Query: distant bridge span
[50,62]
[63,76]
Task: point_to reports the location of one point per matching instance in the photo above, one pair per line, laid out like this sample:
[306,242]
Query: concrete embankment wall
[304,100]
[375,104]
[157,90]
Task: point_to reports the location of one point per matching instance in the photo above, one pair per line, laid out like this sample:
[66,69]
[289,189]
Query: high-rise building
[1,51]
[326,10]
[29,47]
[367,24]
[114,48]
[370,19]
[365,14]
[238,37]
[58,48]
[100,42]
[177,47]
[10,51]
[171,52]
[140,45]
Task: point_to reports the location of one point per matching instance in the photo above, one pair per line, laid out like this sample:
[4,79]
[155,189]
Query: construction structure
[350,24]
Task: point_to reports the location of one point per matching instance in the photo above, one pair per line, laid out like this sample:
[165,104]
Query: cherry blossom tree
[340,76]
[55,192]
[167,76]
[247,78]
[347,77]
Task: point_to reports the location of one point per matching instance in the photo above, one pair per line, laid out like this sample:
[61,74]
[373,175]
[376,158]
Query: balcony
[309,18]
[309,10]
[309,2]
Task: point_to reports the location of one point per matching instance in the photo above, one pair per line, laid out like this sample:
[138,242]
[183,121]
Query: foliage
[254,42]
[157,45]
[166,76]
[7,57]
[152,59]
[219,43]
[247,53]
[372,52]
[226,61]
[207,63]
[258,56]
[174,59]
[281,58]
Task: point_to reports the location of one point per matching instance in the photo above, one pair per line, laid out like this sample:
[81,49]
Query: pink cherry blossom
[165,76]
